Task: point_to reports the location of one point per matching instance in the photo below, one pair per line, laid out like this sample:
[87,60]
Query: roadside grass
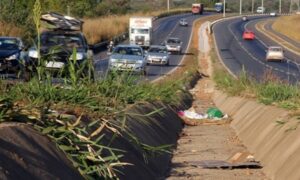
[289,26]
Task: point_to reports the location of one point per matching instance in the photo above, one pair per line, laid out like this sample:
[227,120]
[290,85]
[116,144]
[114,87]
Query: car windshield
[128,51]
[276,49]
[173,41]
[9,44]
[157,50]
[183,20]
[139,31]
[67,40]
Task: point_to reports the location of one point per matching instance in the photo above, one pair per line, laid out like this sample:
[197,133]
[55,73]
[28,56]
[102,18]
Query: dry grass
[105,28]
[9,30]
[289,26]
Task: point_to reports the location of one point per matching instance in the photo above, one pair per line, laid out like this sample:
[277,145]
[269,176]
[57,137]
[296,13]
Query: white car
[275,53]
[260,10]
[157,55]
[273,14]
[174,44]
[183,22]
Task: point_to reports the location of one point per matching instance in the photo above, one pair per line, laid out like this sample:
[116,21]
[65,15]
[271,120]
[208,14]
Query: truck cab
[197,8]
[140,31]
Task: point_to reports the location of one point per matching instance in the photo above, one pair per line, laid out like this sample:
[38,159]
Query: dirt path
[208,142]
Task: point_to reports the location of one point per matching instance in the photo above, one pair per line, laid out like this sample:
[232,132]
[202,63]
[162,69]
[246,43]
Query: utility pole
[168,5]
[279,6]
[224,8]
[262,4]
[241,4]
[252,9]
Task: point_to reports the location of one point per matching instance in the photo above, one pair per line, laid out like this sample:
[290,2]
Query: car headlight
[78,56]
[33,54]
[139,62]
[113,60]
[12,57]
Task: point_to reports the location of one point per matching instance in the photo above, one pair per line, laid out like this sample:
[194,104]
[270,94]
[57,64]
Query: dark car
[11,54]
[61,47]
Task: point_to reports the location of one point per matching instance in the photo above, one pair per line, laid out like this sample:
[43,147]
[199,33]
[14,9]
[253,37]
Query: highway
[163,28]
[238,54]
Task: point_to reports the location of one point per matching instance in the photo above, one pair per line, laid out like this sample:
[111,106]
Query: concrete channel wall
[268,132]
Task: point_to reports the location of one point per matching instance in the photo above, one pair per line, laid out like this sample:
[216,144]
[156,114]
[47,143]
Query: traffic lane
[236,56]
[184,33]
[232,54]
[266,41]
[263,42]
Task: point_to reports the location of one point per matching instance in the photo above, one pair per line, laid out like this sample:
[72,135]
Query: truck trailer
[140,31]
[197,8]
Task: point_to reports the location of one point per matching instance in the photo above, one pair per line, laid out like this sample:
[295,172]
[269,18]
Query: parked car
[11,54]
[157,55]
[183,22]
[275,53]
[173,44]
[248,35]
[59,44]
[127,58]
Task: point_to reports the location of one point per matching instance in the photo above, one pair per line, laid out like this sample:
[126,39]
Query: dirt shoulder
[215,141]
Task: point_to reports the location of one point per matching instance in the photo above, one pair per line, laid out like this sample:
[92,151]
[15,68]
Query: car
[12,53]
[244,18]
[275,53]
[248,35]
[62,46]
[273,14]
[183,22]
[260,10]
[157,55]
[129,58]
[173,44]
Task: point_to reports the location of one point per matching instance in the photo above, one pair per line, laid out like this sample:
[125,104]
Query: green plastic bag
[214,113]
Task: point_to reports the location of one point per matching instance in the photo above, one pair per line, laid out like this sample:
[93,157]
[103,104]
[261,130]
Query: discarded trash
[214,113]
[217,164]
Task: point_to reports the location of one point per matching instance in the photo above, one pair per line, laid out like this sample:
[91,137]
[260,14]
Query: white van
[260,10]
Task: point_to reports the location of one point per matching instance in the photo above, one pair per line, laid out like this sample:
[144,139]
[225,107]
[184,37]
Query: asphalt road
[163,28]
[238,54]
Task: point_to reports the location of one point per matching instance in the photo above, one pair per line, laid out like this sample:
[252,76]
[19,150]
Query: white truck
[140,31]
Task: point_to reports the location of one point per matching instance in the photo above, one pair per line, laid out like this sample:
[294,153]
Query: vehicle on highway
[244,18]
[197,8]
[157,55]
[11,54]
[140,31]
[62,45]
[183,22]
[273,14]
[248,35]
[127,58]
[260,10]
[219,7]
[173,44]
[275,53]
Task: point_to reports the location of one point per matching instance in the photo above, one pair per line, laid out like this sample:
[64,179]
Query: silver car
[157,55]
[127,58]
[183,22]
[173,45]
